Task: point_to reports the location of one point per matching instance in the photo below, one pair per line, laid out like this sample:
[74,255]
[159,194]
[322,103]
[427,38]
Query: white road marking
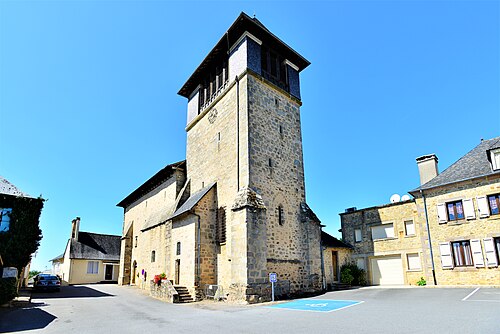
[470,294]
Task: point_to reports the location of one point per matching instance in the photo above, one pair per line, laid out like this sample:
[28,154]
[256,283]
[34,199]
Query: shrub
[351,274]
[422,282]
[8,289]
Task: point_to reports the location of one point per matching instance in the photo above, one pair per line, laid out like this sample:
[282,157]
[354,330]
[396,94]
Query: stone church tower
[235,210]
[244,134]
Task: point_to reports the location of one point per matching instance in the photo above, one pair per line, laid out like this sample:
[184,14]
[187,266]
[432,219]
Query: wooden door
[177,271]
[335,266]
[108,275]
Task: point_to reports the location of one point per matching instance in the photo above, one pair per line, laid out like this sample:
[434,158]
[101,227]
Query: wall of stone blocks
[151,209]
[184,231]
[276,173]
[401,244]
[477,228]
[343,257]
[209,249]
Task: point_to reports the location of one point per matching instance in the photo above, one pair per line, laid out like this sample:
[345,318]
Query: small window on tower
[281,215]
[153,256]
[276,102]
[270,162]
[178,251]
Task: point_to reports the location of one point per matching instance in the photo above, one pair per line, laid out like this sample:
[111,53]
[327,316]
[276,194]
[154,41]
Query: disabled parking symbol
[316,305]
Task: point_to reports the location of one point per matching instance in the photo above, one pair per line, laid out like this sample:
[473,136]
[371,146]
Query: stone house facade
[235,210]
[454,220]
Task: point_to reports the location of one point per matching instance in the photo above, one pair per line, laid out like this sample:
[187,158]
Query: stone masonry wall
[212,156]
[401,244]
[277,174]
[477,228]
[151,209]
[206,209]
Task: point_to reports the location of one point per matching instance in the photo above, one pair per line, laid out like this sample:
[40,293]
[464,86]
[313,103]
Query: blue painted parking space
[317,305]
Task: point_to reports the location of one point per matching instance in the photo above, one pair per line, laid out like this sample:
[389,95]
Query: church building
[235,210]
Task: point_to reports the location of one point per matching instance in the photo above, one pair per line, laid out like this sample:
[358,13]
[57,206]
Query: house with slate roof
[449,233]
[88,257]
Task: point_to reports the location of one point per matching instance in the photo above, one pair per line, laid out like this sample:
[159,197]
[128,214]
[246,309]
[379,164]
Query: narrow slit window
[281,216]
[178,251]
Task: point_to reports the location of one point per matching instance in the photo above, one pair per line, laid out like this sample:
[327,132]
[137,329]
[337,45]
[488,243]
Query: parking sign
[273,278]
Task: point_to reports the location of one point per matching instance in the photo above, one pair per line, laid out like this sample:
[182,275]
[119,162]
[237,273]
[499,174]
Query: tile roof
[9,189]
[94,246]
[330,241]
[474,164]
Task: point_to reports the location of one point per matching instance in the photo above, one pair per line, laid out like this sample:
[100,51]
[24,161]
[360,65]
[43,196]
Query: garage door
[387,270]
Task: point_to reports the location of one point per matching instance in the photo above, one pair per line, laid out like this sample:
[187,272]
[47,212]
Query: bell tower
[244,134]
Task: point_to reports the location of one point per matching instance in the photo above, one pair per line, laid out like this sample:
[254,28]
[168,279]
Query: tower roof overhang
[243,23]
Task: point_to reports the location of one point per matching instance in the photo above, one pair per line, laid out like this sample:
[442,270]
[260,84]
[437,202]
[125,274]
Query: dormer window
[495,158]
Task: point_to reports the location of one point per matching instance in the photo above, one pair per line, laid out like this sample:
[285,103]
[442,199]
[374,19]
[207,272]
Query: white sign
[9,272]
[273,277]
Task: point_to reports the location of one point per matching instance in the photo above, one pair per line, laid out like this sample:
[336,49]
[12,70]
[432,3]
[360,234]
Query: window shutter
[489,249]
[446,256]
[469,209]
[482,205]
[441,210]
[477,253]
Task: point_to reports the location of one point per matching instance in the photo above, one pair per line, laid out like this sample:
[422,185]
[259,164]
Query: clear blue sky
[89,107]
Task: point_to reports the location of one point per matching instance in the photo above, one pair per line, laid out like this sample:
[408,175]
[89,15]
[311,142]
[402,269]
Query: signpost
[273,278]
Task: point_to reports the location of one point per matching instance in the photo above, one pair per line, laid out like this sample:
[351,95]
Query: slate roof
[153,182]
[330,241]
[59,257]
[94,246]
[240,25]
[8,188]
[474,164]
[192,201]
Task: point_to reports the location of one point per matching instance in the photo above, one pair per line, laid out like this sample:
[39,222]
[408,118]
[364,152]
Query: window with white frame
[494,204]
[456,211]
[93,267]
[413,261]
[462,253]
[495,158]
[383,231]
[409,228]
[357,235]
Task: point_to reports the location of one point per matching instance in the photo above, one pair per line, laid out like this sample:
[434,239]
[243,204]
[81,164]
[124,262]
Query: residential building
[448,234]
[235,210]
[88,257]
[20,233]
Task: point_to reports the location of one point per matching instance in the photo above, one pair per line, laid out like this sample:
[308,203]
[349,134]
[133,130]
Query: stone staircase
[340,286]
[183,295]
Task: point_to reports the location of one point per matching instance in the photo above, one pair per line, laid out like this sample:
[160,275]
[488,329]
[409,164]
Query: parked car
[47,282]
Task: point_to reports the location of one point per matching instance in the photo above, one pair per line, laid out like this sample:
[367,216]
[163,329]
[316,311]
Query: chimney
[427,167]
[75,228]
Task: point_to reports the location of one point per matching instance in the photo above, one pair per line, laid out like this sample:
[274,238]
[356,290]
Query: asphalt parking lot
[111,309]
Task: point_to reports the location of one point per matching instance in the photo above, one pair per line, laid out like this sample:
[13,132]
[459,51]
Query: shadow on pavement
[23,319]
[70,292]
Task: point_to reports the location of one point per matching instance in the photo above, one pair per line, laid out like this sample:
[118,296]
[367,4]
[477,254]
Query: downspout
[198,247]
[429,237]
[323,277]
[237,133]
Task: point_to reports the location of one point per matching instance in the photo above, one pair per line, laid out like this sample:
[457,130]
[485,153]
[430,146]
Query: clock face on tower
[5,219]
